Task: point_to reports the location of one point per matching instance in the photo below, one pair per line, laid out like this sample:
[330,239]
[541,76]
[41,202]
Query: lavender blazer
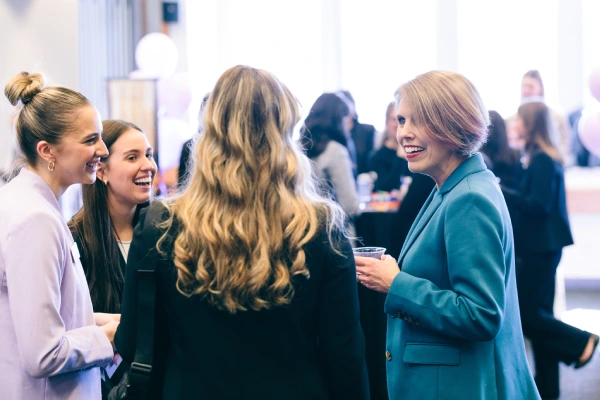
[50,345]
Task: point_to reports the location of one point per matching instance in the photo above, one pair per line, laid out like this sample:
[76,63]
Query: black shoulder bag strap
[140,371]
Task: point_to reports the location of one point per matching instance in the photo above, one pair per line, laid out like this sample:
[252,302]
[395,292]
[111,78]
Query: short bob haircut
[449,107]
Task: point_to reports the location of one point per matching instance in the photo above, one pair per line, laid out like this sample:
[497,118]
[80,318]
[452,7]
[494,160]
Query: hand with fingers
[376,274]
[102,319]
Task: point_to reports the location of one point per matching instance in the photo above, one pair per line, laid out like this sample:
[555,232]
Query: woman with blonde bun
[51,339]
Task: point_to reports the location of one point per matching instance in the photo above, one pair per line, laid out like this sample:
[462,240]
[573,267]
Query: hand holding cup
[373,252]
[374,269]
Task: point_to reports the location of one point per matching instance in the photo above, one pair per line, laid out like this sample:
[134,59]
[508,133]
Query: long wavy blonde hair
[251,204]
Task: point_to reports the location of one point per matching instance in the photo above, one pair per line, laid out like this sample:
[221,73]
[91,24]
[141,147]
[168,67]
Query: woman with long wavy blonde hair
[257,293]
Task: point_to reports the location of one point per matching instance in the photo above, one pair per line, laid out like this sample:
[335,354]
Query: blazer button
[388,355]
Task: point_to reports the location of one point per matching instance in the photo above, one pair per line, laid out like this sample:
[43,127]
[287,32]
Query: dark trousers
[552,340]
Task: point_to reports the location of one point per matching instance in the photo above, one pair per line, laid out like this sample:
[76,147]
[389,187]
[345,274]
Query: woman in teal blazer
[453,316]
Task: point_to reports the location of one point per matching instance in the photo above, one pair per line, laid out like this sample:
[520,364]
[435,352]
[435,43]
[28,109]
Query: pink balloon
[174,96]
[594,82]
[589,131]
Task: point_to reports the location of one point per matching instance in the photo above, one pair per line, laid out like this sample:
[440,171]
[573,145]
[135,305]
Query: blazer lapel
[471,165]
[429,208]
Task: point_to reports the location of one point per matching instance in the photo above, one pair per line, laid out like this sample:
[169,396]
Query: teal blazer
[454,330]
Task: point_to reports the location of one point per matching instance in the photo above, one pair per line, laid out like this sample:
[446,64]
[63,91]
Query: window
[281,37]
[384,43]
[499,41]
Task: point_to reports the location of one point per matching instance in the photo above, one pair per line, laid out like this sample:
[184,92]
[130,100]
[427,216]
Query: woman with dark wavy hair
[256,288]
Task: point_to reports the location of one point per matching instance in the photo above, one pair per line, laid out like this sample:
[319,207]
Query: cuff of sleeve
[392,299]
[101,348]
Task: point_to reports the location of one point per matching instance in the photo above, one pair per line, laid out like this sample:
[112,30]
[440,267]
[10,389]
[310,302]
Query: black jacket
[541,222]
[389,168]
[311,349]
[363,136]
[418,192]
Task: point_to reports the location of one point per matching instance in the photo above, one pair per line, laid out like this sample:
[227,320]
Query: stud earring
[105,181]
[51,165]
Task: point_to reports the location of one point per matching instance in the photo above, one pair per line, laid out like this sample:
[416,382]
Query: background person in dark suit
[256,280]
[362,136]
[541,231]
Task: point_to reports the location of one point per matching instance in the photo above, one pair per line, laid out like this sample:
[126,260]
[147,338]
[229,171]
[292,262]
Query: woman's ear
[102,171]
[46,151]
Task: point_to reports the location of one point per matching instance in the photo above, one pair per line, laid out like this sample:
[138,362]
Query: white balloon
[139,74]
[156,56]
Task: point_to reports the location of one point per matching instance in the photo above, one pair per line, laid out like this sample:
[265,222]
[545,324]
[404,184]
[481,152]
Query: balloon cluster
[589,123]
[156,56]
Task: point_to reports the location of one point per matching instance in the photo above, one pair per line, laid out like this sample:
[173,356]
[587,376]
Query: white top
[124,247]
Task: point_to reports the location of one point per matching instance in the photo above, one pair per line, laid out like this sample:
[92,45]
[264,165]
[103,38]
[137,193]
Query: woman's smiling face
[130,169]
[425,155]
[78,153]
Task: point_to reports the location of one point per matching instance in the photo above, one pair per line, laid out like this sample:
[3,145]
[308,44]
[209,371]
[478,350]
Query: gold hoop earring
[51,164]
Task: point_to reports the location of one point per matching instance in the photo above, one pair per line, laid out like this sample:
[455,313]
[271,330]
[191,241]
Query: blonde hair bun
[24,87]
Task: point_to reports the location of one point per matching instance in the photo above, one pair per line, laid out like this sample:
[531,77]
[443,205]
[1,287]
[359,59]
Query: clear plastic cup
[373,252]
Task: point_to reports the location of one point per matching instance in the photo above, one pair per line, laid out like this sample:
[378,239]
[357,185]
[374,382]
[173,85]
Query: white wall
[224,33]
[37,36]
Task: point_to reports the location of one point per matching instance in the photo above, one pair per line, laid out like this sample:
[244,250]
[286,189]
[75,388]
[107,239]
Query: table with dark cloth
[374,229]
